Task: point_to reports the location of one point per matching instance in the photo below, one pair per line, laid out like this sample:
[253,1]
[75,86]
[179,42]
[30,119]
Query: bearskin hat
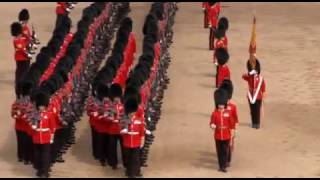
[118,47]
[220,97]
[26,87]
[131,106]
[45,50]
[64,74]
[222,56]
[16,29]
[115,90]
[157,9]
[257,68]
[102,91]
[127,23]
[58,80]
[24,15]
[220,33]
[228,87]
[50,86]
[41,98]
[223,24]
[150,20]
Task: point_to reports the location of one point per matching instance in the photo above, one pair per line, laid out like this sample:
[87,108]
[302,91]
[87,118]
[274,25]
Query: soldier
[232,107]
[223,125]
[223,69]
[132,140]
[43,133]
[213,15]
[22,57]
[257,89]
[114,130]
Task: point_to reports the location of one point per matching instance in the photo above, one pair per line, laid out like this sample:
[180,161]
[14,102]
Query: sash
[254,98]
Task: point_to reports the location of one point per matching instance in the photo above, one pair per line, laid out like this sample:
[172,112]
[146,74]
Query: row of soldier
[51,83]
[124,107]
[224,118]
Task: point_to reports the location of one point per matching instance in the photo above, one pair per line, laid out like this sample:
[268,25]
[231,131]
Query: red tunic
[45,129]
[133,138]
[26,32]
[20,46]
[223,73]
[232,107]
[213,15]
[61,8]
[223,124]
[115,128]
[253,82]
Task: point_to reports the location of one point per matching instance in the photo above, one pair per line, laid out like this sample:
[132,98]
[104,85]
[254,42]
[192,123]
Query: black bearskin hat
[115,90]
[131,105]
[222,56]
[41,98]
[26,87]
[220,33]
[220,97]
[257,68]
[64,74]
[50,86]
[223,24]
[227,86]
[127,23]
[24,15]
[16,29]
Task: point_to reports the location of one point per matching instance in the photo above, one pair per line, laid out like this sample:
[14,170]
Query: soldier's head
[220,98]
[228,87]
[116,92]
[256,66]
[16,29]
[223,24]
[41,99]
[131,106]
[26,87]
[127,24]
[220,34]
[222,56]
[24,15]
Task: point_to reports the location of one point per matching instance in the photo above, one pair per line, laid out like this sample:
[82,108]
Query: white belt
[115,121]
[43,130]
[133,133]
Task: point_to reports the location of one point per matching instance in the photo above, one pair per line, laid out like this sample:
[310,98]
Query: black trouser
[94,142]
[222,147]
[102,146]
[42,158]
[217,75]
[21,69]
[57,144]
[59,19]
[112,150]
[255,112]
[230,150]
[21,144]
[211,38]
[29,149]
[132,156]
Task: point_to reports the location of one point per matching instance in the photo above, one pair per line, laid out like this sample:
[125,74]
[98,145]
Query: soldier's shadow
[8,155]
[206,160]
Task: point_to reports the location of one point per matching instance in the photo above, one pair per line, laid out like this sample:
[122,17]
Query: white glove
[252,72]
[51,139]
[216,63]
[148,132]
[124,131]
[212,126]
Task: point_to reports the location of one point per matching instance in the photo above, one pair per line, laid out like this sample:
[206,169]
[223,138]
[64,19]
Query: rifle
[35,40]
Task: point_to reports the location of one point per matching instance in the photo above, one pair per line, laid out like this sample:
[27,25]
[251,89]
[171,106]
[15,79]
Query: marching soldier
[61,11]
[43,133]
[223,69]
[223,126]
[22,57]
[232,108]
[132,139]
[213,15]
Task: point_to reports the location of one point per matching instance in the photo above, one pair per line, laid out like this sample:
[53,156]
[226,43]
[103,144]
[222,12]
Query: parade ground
[286,145]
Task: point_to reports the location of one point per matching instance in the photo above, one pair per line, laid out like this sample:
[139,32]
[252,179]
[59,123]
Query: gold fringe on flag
[253,45]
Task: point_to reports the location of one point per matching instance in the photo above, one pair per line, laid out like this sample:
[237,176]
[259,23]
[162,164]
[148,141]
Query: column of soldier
[125,107]
[224,118]
[47,90]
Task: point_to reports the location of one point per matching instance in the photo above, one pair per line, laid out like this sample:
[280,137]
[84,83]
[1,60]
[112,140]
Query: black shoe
[26,162]
[38,174]
[223,170]
[103,163]
[60,160]
[114,167]
[139,175]
[46,175]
